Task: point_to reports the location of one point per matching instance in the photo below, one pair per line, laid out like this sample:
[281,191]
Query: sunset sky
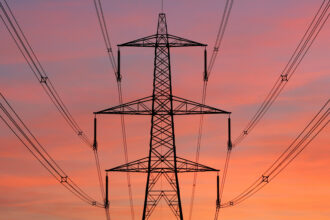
[259,40]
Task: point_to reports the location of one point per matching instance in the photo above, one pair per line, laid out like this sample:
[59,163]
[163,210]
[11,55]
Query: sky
[259,40]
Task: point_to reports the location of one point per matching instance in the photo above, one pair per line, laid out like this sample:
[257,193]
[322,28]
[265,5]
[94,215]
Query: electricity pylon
[162,162]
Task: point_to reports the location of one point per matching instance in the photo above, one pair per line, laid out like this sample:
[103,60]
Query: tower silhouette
[162,161]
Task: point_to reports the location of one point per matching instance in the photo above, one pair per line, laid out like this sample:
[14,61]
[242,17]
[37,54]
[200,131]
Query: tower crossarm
[141,166]
[151,41]
[137,107]
[184,166]
[181,106]
[175,41]
[136,166]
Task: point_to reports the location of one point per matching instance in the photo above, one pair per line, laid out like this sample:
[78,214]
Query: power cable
[107,42]
[217,44]
[13,121]
[33,62]
[301,50]
[305,43]
[305,137]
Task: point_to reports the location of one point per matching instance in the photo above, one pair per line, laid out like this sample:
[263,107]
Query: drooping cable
[305,43]
[220,34]
[199,142]
[105,34]
[28,53]
[13,121]
[18,36]
[207,72]
[116,70]
[305,137]
[225,170]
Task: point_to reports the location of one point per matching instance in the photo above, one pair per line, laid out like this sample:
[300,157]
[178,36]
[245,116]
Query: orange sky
[259,40]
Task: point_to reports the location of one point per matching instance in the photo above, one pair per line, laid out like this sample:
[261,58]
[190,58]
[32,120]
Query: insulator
[205,65]
[118,66]
[230,145]
[218,191]
[106,191]
[95,141]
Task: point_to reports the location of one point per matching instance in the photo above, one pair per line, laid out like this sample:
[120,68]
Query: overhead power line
[18,36]
[116,70]
[29,55]
[306,136]
[217,44]
[13,121]
[105,35]
[16,125]
[299,53]
[305,43]
[220,34]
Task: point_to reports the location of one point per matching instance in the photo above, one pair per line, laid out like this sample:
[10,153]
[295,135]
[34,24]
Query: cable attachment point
[93,203]
[245,132]
[43,79]
[94,147]
[118,77]
[80,133]
[109,50]
[265,179]
[64,179]
[231,203]
[216,49]
[284,77]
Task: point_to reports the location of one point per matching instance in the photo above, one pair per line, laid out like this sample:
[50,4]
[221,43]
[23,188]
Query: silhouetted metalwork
[218,193]
[106,202]
[143,106]
[162,161]
[142,166]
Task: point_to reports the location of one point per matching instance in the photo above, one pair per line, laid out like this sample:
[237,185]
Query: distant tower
[162,161]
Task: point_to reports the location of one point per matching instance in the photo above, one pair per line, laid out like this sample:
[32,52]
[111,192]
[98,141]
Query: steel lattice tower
[162,162]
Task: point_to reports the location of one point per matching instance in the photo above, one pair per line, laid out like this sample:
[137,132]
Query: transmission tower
[162,161]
